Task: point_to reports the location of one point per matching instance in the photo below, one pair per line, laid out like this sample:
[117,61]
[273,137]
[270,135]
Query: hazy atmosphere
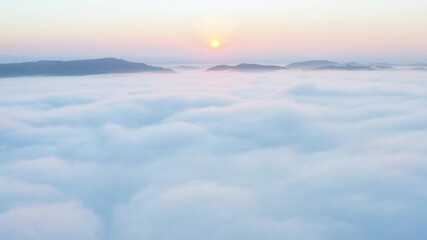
[277,31]
[213,120]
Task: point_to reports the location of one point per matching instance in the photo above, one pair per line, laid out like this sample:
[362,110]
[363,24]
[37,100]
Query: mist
[312,155]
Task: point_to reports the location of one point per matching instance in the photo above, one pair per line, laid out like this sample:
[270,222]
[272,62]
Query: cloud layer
[289,155]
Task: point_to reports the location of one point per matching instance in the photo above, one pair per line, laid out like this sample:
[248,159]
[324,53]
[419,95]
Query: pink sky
[364,31]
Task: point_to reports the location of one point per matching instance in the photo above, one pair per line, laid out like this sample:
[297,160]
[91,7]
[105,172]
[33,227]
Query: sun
[215,43]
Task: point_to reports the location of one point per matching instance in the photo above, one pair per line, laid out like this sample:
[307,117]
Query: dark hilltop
[76,68]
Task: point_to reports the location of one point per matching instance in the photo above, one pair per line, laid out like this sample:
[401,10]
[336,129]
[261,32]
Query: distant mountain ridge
[306,65]
[312,64]
[76,68]
[114,65]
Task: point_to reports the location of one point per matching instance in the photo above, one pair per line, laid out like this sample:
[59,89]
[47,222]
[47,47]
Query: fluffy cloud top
[289,155]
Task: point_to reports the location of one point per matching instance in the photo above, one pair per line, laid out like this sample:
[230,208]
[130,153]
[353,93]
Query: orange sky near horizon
[275,33]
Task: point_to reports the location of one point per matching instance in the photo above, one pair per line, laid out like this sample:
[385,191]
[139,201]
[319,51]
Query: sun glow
[215,43]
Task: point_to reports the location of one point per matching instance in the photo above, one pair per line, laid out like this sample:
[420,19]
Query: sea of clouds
[188,156]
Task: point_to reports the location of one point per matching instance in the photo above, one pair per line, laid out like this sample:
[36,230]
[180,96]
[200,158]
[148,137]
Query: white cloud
[68,220]
[288,155]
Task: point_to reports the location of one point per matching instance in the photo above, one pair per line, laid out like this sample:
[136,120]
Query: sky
[307,155]
[263,31]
